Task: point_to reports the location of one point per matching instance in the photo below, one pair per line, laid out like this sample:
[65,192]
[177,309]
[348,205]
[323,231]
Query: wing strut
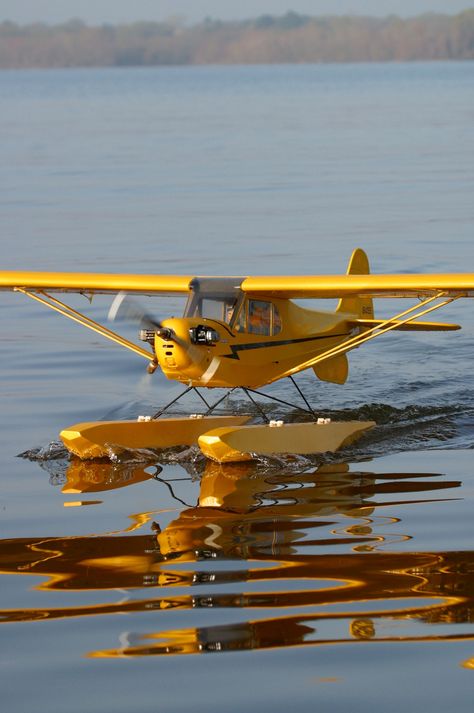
[71,313]
[386,326]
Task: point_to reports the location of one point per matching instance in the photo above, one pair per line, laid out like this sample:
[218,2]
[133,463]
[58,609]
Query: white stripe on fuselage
[211,370]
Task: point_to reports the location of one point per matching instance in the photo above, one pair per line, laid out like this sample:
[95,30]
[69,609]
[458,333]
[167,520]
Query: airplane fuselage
[202,351]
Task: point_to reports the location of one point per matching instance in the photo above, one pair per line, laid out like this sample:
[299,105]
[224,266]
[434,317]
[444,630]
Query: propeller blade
[124,307]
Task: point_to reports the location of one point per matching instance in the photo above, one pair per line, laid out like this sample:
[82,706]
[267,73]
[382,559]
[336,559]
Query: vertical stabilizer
[336,368]
[358,306]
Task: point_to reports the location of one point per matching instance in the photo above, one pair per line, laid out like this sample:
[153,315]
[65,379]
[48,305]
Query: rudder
[359,306]
[336,368]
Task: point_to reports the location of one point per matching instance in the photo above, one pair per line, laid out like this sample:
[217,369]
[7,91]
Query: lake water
[338,583]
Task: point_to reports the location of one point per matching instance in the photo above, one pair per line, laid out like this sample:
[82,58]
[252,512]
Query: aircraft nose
[165,333]
[172,345]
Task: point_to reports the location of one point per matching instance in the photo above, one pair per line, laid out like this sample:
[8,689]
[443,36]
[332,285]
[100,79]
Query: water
[342,582]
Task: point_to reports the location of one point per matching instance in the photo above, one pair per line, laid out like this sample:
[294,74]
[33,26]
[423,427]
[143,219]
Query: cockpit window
[258,317]
[221,298]
[276,321]
[218,308]
[214,298]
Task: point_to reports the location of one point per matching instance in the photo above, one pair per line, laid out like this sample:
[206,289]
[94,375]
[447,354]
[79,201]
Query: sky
[117,11]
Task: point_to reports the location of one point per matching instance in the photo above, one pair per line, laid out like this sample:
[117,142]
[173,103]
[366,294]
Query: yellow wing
[94,283]
[283,287]
[337,286]
[39,285]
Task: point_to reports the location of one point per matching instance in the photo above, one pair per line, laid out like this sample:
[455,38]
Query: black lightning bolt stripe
[235,348]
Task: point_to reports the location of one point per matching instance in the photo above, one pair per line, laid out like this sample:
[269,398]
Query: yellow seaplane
[242,333]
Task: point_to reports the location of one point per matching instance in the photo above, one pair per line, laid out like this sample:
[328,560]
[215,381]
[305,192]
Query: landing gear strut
[248,392]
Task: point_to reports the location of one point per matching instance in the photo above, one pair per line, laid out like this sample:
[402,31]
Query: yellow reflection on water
[84,476]
[80,503]
[302,574]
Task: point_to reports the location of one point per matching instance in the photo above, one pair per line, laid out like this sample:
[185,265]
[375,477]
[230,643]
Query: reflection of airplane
[245,332]
[268,522]
[268,510]
[240,497]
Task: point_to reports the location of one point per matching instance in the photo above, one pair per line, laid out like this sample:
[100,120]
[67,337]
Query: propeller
[124,307]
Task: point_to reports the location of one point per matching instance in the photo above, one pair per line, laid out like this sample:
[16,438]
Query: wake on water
[413,427]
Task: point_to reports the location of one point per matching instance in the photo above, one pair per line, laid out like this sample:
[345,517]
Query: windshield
[212,308]
[214,298]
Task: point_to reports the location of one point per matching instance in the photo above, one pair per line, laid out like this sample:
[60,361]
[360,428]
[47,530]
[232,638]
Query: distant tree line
[291,38]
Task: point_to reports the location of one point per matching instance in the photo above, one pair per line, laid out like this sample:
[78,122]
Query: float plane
[242,333]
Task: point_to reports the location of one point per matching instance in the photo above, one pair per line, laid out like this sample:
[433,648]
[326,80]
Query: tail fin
[336,369]
[360,306]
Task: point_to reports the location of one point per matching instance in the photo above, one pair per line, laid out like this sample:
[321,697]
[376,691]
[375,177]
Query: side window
[276,326]
[259,317]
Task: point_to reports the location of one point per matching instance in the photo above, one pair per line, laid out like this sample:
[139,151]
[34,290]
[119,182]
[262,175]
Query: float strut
[280,401]
[165,408]
[257,405]
[302,395]
[211,408]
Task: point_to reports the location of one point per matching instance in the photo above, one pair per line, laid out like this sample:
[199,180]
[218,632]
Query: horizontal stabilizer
[335,370]
[406,327]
